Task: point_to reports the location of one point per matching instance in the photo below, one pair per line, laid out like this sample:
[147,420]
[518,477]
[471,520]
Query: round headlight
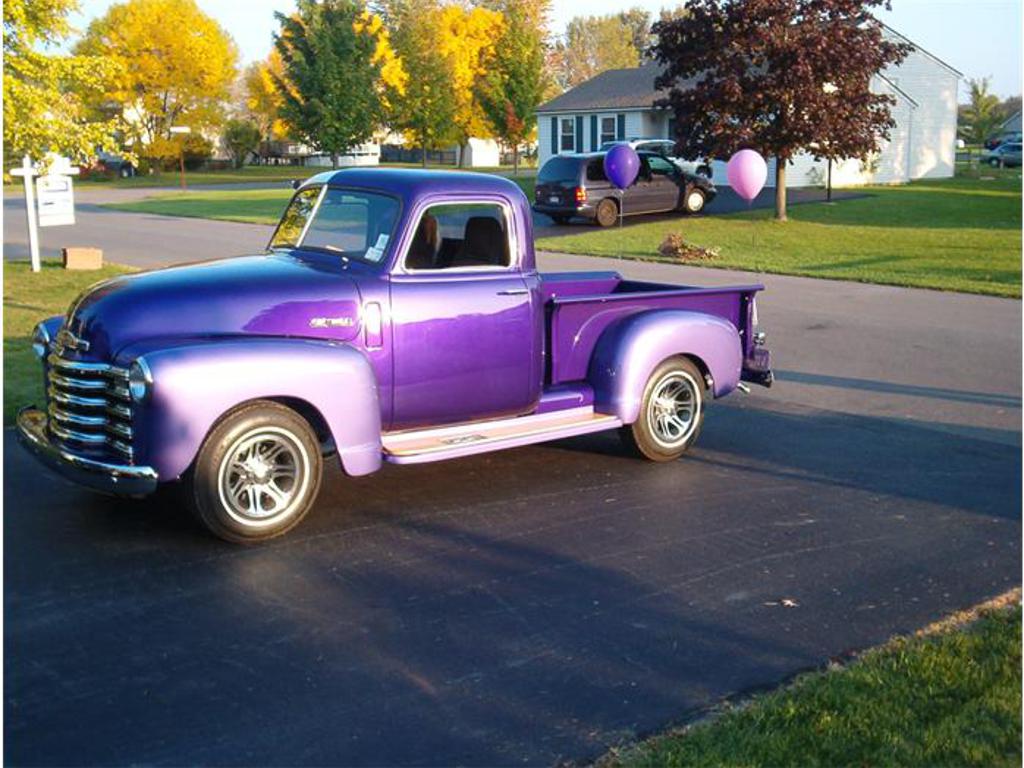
[40,341]
[140,380]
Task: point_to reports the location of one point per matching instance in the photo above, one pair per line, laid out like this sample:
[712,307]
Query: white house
[619,104]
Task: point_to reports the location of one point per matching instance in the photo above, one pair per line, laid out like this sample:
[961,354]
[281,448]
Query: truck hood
[267,295]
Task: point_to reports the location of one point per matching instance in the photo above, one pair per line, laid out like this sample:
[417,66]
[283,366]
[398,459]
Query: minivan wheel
[694,200]
[607,212]
[256,475]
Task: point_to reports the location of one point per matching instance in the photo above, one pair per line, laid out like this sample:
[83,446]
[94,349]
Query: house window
[568,134]
[608,129]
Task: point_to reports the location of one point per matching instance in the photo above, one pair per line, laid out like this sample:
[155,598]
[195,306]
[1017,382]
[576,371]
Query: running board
[437,444]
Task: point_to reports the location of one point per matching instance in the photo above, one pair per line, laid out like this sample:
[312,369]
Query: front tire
[257,474]
[694,200]
[671,412]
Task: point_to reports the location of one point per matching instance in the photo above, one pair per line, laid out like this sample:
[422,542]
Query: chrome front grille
[90,406]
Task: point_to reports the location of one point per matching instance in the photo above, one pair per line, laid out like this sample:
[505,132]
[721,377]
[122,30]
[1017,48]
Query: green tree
[240,138]
[983,114]
[337,74]
[515,81]
[427,112]
[166,77]
[46,96]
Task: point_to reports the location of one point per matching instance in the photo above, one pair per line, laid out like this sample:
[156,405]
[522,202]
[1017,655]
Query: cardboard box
[82,258]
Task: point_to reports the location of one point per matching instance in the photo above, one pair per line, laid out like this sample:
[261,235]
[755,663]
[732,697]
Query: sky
[981,38]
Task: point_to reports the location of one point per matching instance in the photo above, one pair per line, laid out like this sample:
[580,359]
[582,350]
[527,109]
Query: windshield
[560,169]
[354,224]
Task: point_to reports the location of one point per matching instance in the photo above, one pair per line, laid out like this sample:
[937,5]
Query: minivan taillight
[581,195]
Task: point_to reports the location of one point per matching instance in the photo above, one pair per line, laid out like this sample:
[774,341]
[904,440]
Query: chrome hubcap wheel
[695,201]
[263,476]
[673,410]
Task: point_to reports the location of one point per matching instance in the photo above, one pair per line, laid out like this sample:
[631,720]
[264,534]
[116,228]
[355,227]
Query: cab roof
[411,183]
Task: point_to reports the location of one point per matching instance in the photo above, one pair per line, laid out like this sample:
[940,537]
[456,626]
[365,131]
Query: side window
[595,170]
[460,236]
[660,166]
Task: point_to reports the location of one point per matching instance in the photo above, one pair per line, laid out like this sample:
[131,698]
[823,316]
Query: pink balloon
[747,173]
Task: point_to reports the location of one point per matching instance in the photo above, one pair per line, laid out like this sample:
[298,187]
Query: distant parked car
[1003,138]
[1006,155]
[665,148]
[115,164]
[575,185]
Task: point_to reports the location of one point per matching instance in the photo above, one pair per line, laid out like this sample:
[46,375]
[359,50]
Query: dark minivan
[575,185]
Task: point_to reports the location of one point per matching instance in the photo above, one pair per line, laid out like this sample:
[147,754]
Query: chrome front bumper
[119,479]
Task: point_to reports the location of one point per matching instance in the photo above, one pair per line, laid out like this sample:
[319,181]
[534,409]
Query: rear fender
[630,349]
[195,383]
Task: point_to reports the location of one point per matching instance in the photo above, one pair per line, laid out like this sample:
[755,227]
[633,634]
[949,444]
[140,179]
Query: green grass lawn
[961,234]
[947,699]
[29,298]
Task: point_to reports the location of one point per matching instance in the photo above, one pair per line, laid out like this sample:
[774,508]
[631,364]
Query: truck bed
[581,305]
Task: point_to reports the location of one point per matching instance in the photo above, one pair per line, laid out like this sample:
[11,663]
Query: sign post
[27,172]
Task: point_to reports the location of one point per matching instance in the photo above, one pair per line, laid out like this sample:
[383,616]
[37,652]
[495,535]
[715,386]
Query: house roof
[614,89]
[1012,123]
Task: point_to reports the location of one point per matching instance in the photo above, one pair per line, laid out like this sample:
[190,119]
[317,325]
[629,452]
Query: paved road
[544,603]
[148,241]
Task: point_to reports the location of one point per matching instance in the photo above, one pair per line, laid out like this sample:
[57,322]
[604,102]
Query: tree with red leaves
[778,76]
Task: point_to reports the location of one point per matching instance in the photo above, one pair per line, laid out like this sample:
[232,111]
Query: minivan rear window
[560,169]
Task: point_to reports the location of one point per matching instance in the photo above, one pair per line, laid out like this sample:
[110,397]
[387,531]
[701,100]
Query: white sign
[56,201]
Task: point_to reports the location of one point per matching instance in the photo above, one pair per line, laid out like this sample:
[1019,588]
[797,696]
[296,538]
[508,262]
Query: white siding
[932,136]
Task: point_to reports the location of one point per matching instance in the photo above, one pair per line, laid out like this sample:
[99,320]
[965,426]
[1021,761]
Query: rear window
[560,169]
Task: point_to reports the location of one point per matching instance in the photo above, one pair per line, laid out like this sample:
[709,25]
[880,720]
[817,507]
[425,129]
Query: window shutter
[593,133]
[554,135]
[579,133]
[620,126]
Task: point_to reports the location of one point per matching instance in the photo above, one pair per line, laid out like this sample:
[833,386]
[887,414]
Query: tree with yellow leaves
[340,73]
[466,40]
[262,99]
[47,96]
[176,65]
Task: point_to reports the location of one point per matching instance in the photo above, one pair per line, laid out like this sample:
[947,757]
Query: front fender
[197,382]
[630,349]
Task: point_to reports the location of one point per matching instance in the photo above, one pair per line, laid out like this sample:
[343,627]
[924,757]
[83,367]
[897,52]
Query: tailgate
[575,323]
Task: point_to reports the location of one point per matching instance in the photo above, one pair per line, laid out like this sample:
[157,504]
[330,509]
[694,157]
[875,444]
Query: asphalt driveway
[544,603]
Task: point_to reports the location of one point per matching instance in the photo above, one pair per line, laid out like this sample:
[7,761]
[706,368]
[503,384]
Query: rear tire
[257,473]
[671,412]
[607,212]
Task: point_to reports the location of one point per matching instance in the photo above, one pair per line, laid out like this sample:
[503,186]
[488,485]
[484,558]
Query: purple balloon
[621,165]
[747,173]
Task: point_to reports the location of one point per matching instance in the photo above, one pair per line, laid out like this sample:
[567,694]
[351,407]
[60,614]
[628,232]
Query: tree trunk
[462,155]
[423,155]
[334,161]
[780,188]
[515,160]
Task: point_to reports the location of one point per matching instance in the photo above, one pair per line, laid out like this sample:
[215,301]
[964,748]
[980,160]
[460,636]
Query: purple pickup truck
[397,316]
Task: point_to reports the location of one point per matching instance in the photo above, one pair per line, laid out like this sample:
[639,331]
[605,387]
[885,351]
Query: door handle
[514,292]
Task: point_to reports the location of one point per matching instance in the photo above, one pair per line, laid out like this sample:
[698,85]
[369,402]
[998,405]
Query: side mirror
[296,183]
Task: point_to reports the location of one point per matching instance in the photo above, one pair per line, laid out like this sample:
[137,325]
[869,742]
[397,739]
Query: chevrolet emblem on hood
[67,340]
[331,322]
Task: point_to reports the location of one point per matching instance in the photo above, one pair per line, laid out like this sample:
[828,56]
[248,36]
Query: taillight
[581,195]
